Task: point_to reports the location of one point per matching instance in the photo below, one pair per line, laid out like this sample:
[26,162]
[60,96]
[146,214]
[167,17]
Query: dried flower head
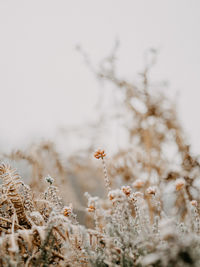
[115,195]
[138,184]
[91,208]
[111,196]
[180,183]
[99,154]
[193,203]
[126,190]
[135,196]
[67,211]
[49,179]
[151,190]
[118,250]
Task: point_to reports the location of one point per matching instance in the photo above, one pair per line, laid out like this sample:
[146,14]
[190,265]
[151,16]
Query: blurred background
[44,81]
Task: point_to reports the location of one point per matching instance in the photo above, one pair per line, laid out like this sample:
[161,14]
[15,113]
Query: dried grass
[147,216]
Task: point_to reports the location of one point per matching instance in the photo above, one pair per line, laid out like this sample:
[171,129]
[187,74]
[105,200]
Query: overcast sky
[44,83]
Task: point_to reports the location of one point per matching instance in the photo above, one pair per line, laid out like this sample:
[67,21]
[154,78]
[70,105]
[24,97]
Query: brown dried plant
[150,215]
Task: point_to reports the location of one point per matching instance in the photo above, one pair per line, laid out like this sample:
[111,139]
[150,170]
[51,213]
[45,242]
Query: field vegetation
[137,206]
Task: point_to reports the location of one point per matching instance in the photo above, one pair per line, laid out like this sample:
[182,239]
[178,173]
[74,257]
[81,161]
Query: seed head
[91,208]
[151,190]
[136,195]
[67,211]
[115,195]
[99,154]
[49,179]
[126,190]
[111,196]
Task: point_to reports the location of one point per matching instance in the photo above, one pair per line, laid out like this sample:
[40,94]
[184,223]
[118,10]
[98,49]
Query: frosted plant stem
[188,208]
[14,247]
[106,179]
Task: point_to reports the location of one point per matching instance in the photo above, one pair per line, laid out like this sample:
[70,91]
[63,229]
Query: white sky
[44,82]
